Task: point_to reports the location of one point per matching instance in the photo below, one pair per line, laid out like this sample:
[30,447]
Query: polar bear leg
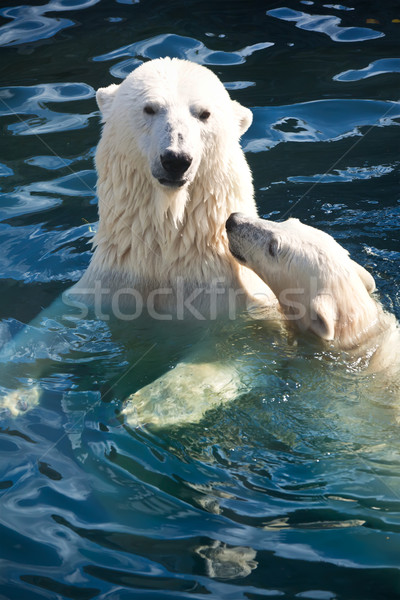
[183,394]
[24,357]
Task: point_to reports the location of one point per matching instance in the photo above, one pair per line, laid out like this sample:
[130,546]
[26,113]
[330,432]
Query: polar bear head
[316,282]
[170,116]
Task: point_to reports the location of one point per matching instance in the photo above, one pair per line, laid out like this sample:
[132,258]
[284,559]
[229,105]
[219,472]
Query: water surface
[293,491]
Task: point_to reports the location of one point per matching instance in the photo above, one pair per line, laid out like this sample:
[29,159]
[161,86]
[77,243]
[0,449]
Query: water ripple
[378,67]
[348,174]
[175,46]
[295,485]
[337,6]
[317,121]
[327,24]
[25,100]
[5,171]
[43,194]
[29,23]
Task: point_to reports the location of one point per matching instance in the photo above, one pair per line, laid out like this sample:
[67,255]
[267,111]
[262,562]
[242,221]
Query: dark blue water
[293,491]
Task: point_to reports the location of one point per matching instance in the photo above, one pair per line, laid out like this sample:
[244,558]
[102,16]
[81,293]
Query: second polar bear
[318,286]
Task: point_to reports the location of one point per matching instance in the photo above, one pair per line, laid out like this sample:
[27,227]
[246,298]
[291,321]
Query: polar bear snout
[175,165]
[233,221]
[235,239]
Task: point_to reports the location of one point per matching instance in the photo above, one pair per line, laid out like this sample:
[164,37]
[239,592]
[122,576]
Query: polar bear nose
[174,163]
[234,220]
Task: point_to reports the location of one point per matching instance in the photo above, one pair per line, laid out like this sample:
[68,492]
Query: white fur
[318,286]
[183,394]
[168,242]
[150,235]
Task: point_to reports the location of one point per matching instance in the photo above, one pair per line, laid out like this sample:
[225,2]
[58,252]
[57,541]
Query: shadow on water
[292,490]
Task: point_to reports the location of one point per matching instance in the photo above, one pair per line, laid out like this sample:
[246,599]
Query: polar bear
[318,286]
[319,289]
[170,171]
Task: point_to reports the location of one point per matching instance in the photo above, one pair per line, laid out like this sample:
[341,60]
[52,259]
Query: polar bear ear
[244,116]
[323,317]
[365,277]
[105,98]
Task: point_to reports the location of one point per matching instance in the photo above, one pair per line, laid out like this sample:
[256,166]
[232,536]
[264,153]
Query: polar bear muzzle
[175,165]
[230,226]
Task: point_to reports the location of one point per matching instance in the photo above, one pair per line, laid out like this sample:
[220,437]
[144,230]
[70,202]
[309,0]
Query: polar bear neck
[150,234]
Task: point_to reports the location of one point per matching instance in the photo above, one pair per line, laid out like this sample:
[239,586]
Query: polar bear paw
[20,401]
[228,562]
[182,395]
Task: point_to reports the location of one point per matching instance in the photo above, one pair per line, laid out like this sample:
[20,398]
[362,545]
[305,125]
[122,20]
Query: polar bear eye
[149,110]
[204,115]
[273,247]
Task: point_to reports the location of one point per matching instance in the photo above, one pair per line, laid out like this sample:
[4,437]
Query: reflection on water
[377,67]
[328,24]
[315,121]
[291,491]
[178,46]
[24,100]
[30,23]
